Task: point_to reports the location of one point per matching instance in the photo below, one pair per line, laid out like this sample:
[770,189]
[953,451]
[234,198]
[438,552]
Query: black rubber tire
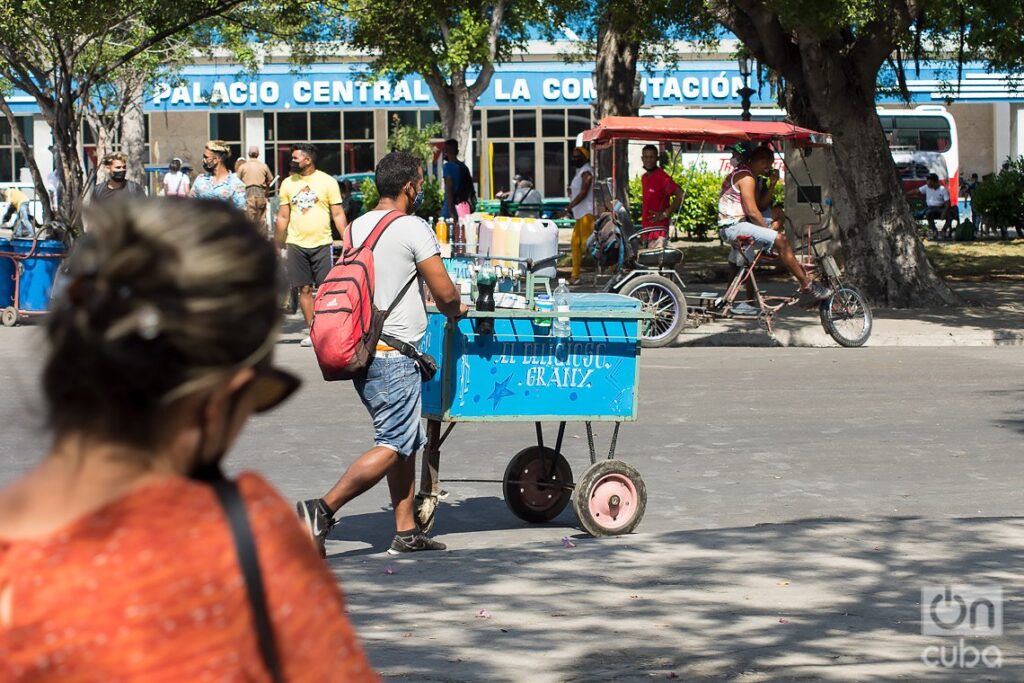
[587,487]
[524,485]
[846,304]
[9,317]
[664,298]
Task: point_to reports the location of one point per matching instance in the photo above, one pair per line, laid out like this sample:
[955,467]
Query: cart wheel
[10,317]
[610,498]
[426,509]
[665,300]
[537,484]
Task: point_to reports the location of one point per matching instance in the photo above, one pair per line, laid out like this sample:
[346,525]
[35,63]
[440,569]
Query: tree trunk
[133,132]
[830,81]
[103,134]
[615,82]
[615,74]
[882,253]
[456,102]
[66,124]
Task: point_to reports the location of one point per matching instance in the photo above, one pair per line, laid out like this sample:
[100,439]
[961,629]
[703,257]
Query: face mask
[209,166]
[294,167]
[119,175]
[417,202]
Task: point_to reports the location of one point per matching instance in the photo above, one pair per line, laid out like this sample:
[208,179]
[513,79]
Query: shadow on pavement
[820,599]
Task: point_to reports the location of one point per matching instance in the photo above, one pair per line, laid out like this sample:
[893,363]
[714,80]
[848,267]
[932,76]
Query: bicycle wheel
[663,298]
[846,317]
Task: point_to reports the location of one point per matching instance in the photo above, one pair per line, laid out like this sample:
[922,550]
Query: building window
[11,158]
[228,127]
[344,140]
[516,149]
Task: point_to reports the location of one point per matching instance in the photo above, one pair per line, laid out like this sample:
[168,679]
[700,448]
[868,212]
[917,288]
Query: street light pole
[745,92]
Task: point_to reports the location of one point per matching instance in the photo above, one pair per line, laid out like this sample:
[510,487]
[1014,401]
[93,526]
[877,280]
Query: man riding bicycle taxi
[739,215]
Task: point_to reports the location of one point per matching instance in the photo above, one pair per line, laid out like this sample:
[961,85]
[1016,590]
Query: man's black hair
[653,148]
[307,149]
[394,171]
[933,176]
[452,142]
[762,153]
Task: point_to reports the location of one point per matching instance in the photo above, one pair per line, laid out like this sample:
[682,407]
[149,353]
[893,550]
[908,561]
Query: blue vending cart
[521,373]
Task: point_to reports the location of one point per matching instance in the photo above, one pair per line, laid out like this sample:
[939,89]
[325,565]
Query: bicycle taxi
[650,275]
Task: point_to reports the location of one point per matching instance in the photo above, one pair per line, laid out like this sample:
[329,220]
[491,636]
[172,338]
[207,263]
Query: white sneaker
[306,341]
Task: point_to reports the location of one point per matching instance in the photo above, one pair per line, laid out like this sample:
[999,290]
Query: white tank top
[730,206]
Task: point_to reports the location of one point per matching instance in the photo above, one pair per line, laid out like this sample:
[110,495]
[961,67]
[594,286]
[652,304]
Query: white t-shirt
[406,242]
[176,184]
[937,197]
[587,205]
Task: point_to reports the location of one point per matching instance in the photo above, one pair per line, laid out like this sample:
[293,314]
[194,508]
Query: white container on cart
[538,241]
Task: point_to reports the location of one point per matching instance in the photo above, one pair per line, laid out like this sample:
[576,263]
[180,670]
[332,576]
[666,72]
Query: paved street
[799,500]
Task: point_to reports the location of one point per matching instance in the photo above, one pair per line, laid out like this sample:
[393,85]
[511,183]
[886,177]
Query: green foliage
[370,195]
[416,141]
[433,195]
[698,215]
[1000,198]
[441,39]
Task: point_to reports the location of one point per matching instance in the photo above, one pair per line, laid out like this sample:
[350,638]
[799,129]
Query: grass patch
[977,259]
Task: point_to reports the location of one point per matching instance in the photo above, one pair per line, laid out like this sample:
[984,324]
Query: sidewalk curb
[885,333]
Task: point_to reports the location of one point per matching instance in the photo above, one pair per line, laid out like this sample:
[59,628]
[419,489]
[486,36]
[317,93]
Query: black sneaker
[318,519]
[414,544]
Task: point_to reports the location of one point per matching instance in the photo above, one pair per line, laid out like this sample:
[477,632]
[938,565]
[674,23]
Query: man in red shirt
[661,198]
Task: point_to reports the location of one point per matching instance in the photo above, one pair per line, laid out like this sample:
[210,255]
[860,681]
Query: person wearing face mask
[217,180]
[117,557]
[115,165]
[581,208]
[310,200]
[406,254]
[660,199]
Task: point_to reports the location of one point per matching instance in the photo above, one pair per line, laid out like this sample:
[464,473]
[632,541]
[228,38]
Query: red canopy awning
[715,131]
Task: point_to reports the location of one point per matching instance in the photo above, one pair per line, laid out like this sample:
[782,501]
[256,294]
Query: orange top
[148,588]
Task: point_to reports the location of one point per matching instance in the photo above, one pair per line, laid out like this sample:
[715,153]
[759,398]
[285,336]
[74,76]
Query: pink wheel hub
[613,501]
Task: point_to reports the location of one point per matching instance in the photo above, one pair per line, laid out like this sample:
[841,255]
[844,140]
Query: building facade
[525,123]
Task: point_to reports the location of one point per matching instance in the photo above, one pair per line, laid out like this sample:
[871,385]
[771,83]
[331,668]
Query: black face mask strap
[209,470]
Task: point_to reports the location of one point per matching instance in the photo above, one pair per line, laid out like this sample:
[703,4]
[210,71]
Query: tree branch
[157,37]
[30,159]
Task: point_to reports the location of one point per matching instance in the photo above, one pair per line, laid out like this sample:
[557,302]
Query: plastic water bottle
[560,325]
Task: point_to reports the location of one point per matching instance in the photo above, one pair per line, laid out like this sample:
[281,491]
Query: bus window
[934,141]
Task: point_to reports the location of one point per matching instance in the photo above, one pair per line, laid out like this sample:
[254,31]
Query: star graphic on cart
[501,391]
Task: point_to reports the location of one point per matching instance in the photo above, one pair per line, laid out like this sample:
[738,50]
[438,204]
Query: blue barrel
[6,275]
[40,271]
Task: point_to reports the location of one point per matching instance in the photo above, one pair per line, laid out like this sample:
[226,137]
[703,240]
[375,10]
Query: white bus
[923,140]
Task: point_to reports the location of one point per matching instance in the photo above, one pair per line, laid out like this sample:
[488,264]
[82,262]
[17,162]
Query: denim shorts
[764,238]
[392,392]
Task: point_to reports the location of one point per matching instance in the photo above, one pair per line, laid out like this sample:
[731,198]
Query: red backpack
[346,323]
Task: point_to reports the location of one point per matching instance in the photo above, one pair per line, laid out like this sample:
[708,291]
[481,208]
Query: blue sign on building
[349,86]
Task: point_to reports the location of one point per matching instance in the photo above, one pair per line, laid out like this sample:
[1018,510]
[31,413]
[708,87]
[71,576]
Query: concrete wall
[974,123]
[178,134]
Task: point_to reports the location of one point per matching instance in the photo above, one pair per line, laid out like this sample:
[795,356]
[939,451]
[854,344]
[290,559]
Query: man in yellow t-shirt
[310,199]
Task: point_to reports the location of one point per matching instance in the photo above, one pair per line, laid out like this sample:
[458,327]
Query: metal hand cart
[522,373]
[28,270]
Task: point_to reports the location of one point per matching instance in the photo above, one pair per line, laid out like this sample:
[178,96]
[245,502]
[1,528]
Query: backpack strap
[374,236]
[401,295]
[245,548]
